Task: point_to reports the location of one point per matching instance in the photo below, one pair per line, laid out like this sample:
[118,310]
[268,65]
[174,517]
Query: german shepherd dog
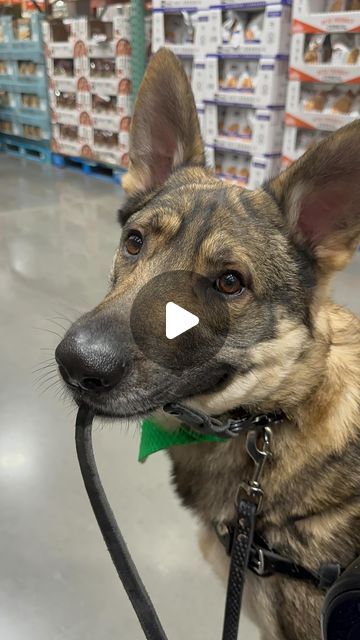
[271,254]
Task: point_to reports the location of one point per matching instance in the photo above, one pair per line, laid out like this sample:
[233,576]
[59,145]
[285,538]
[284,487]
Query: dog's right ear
[319,196]
[165,130]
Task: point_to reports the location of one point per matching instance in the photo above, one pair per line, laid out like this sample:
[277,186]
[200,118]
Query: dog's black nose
[89,358]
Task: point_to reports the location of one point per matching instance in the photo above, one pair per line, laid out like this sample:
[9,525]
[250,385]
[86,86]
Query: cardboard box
[322,72]
[263,168]
[260,168]
[66,147]
[115,158]
[165,35]
[75,51]
[266,133]
[198,79]
[184,5]
[270,82]
[201,117]
[114,124]
[310,16]
[88,29]
[296,141]
[275,35]
[325,120]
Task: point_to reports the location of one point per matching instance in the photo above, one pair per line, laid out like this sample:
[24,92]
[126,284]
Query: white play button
[178,320]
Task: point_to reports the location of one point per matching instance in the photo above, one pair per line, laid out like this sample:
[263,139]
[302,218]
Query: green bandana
[154,438]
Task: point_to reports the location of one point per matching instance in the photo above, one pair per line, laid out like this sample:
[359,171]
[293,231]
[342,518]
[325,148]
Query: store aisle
[57,238]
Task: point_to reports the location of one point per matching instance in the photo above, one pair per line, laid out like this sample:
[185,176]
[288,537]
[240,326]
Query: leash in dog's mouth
[246,549]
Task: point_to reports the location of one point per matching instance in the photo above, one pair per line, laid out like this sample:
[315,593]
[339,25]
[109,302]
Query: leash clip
[259,456]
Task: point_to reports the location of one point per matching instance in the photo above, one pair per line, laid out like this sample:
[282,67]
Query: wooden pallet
[25,148]
[89,167]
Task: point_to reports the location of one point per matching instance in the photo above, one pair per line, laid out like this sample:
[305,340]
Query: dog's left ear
[320,197]
[165,130]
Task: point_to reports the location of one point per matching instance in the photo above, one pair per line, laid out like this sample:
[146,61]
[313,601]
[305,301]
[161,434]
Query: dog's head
[267,256]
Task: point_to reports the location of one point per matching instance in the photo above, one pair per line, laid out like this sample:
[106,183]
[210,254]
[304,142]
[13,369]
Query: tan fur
[324,422]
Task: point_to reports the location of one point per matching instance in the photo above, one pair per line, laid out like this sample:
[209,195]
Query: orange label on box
[291,121]
[342,22]
[297,26]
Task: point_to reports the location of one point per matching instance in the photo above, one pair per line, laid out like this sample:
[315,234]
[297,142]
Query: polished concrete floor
[57,238]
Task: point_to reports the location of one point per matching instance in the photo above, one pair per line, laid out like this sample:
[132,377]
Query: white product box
[296,141]
[62,83]
[270,89]
[115,158]
[112,123]
[74,50]
[72,117]
[60,30]
[59,145]
[64,116]
[266,136]
[322,72]
[198,78]
[181,47]
[91,30]
[311,16]
[184,5]
[201,118]
[323,121]
[275,35]
[262,169]
[210,156]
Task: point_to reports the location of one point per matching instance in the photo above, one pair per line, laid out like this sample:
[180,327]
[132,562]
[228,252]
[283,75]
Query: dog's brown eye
[230,283]
[134,243]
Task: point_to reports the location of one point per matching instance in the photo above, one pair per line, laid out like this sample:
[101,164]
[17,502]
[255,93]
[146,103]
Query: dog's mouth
[141,404]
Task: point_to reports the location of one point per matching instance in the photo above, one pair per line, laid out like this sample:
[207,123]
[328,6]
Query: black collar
[204,424]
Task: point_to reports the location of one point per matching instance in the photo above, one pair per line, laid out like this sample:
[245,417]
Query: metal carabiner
[259,456]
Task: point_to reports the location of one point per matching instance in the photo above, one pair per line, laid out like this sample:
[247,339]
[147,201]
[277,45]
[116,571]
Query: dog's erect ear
[165,130]
[320,197]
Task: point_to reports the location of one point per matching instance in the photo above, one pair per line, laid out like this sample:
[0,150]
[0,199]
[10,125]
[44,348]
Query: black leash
[111,533]
[248,503]
[240,555]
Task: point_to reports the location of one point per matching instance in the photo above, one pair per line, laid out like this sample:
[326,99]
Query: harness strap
[240,556]
[265,562]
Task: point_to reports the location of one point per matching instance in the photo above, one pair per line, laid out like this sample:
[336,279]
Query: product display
[24,108]
[324,89]
[237,56]
[250,131]
[232,165]
[326,16]
[90,87]
[236,59]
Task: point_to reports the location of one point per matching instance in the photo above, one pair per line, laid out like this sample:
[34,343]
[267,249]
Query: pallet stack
[89,71]
[324,87]
[24,117]
[236,55]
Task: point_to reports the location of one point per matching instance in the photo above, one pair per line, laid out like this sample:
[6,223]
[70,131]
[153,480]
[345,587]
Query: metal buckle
[259,567]
[259,456]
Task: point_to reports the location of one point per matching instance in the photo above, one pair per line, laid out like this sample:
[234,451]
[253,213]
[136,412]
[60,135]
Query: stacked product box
[89,71]
[236,54]
[24,117]
[324,87]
